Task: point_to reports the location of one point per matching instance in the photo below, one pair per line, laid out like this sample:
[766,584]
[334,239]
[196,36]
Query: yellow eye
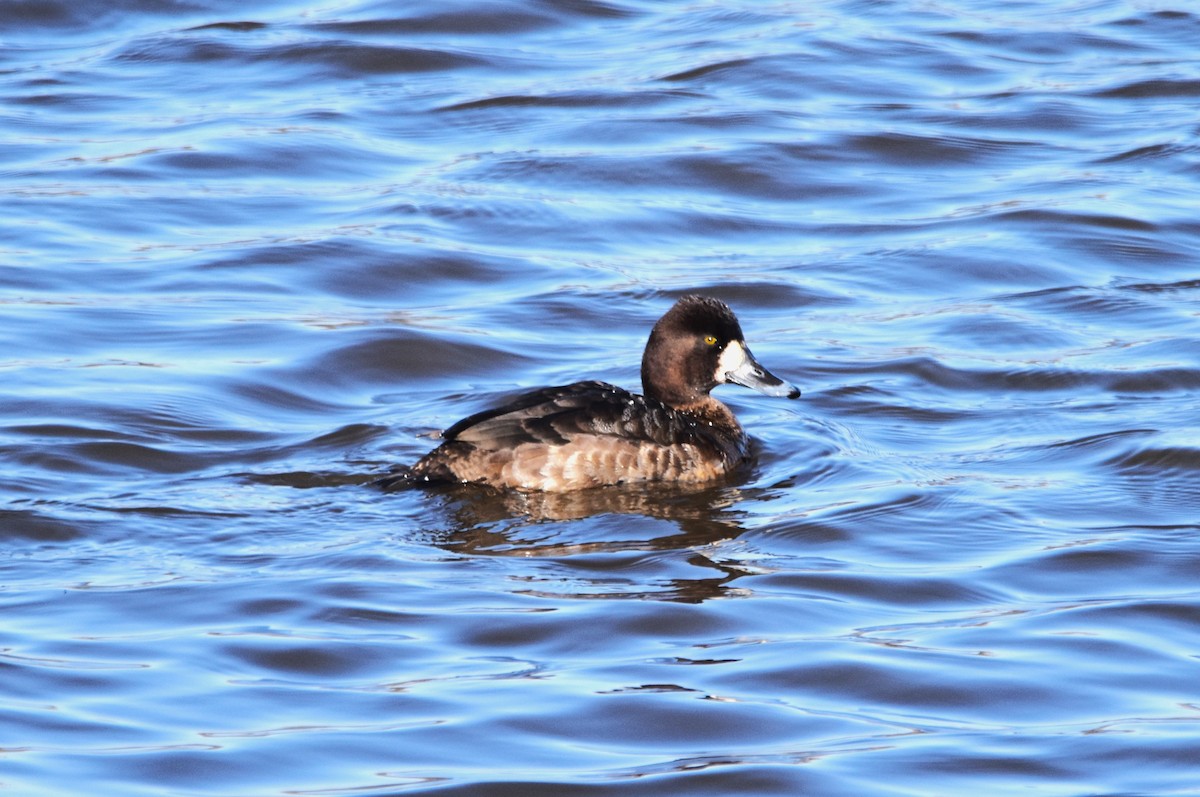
[711,340]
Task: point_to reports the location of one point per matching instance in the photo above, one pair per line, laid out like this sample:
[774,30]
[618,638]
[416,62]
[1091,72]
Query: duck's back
[583,435]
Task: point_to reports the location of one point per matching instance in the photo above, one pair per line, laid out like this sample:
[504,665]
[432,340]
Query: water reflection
[692,507]
[614,542]
[605,538]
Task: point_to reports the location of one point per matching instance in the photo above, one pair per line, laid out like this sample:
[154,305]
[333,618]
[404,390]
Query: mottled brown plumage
[589,434]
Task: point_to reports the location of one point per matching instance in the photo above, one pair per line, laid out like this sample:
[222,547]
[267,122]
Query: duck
[594,434]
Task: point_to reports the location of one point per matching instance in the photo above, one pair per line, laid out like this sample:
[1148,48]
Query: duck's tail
[400,478]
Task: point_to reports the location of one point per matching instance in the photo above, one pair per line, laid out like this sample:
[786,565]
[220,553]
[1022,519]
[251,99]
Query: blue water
[254,254]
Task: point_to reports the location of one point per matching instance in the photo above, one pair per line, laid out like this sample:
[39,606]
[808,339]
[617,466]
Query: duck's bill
[737,365]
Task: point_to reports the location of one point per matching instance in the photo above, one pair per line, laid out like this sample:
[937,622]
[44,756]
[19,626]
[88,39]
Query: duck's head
[698,345]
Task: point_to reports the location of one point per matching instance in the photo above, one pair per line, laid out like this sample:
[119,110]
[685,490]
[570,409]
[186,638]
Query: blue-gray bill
[747,372]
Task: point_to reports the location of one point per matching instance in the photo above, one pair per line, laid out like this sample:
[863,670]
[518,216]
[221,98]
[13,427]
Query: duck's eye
[711,340]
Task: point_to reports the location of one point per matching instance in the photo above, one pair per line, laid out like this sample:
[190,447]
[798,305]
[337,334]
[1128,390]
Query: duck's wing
[534,404]
[557,415]
[575,436]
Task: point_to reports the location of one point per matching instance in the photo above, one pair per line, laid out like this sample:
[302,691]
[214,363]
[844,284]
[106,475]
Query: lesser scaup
[589,434]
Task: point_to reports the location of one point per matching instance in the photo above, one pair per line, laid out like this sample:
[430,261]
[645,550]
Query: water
[254,254]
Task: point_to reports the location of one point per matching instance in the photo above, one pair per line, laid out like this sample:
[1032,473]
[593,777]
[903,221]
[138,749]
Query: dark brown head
[698,345]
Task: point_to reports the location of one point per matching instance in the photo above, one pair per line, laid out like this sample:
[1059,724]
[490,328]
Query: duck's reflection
[709,505]
[651,542]
[610,542]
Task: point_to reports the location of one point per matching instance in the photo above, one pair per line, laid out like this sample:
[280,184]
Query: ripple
[1152,153]
[577,99]
[941,150]
[328,59]
[1145,89]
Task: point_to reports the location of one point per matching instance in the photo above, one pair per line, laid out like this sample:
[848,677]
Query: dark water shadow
[24,524]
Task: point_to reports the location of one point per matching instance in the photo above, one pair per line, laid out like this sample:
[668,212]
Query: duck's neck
[710,411]
[722,427]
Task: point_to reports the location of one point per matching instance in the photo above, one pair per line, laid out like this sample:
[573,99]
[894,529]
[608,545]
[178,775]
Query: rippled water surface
[254,254]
